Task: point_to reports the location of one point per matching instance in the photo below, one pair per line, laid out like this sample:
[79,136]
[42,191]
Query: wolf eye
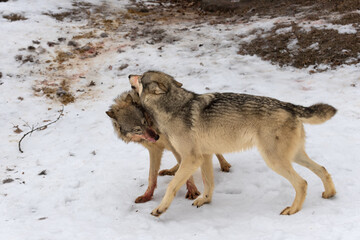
[137,130]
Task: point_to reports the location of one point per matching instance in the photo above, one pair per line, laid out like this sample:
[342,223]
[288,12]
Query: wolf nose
[157,137]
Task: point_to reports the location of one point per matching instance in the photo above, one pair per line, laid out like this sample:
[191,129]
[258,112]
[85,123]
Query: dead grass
[85,35]
[14,17]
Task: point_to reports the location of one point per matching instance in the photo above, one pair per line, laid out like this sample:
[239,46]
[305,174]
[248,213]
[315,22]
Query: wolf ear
[111,114]
[178,84]
[129,99]
[162,89]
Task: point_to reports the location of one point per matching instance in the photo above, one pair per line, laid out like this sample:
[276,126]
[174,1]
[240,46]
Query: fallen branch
[40,128]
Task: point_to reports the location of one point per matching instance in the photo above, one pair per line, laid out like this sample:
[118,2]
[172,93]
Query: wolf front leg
[188,166]
[155,159]
[207,173]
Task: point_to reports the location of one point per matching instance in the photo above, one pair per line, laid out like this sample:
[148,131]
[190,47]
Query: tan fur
[199,125]
[127,114]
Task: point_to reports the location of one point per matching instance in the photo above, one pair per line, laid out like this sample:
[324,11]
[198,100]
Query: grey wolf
[132,124]
[199,125]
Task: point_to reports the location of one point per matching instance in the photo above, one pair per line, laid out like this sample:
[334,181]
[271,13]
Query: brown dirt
[14,17]
[315,47]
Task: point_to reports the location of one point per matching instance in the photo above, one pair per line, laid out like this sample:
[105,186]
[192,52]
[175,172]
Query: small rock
[61,39]
[17,129]
[8,180]
[18,57]
[0,74]
[28,58]
[104,35]
[123,66]
[41,50]
[91,84]
[36,42]
[120,50]
[150,41]
[84,48]
[43,172]
[73,44]
[31,48]
[93,153]
[51,44]
[61,92]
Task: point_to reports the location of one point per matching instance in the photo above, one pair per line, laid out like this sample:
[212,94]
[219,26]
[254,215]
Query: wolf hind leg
[303,159]
[278,157]
[224,165]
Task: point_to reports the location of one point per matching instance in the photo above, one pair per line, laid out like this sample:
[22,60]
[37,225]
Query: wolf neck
[171,106]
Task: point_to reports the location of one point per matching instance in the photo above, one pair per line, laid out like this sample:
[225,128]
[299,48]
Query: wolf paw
[225,168]
[289,211]
[142,199]
[157,211]
[329,194]
[166,172]
[201,201]
[191,195]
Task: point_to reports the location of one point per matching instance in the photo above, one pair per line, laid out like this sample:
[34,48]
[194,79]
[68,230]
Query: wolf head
[153,82]
[130,120]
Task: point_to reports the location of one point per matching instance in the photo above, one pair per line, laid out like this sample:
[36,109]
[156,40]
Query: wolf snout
[151,135]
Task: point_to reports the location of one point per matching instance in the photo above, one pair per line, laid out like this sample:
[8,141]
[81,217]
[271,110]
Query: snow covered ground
[92,178]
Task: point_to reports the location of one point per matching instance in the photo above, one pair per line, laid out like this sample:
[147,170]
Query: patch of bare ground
[273,8]
[53,90]
[300,48]
[348,18]
[14,17]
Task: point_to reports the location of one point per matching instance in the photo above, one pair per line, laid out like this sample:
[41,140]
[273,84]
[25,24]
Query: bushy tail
[316,114]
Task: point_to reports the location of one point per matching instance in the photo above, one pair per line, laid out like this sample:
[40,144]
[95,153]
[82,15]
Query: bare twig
[40,128]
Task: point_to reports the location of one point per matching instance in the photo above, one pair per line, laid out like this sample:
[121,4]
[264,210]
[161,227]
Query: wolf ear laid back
[178,84]
[111,114]
[129,99]
[160,89]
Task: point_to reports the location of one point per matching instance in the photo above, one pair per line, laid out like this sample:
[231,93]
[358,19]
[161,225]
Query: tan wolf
[132,124]
[199,125]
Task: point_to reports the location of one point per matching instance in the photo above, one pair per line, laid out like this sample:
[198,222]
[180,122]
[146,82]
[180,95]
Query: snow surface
[93,178]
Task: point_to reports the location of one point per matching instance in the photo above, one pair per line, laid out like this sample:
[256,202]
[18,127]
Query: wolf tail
[316,114]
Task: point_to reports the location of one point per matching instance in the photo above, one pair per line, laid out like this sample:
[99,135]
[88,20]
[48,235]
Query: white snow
[93,178]
[342,29]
